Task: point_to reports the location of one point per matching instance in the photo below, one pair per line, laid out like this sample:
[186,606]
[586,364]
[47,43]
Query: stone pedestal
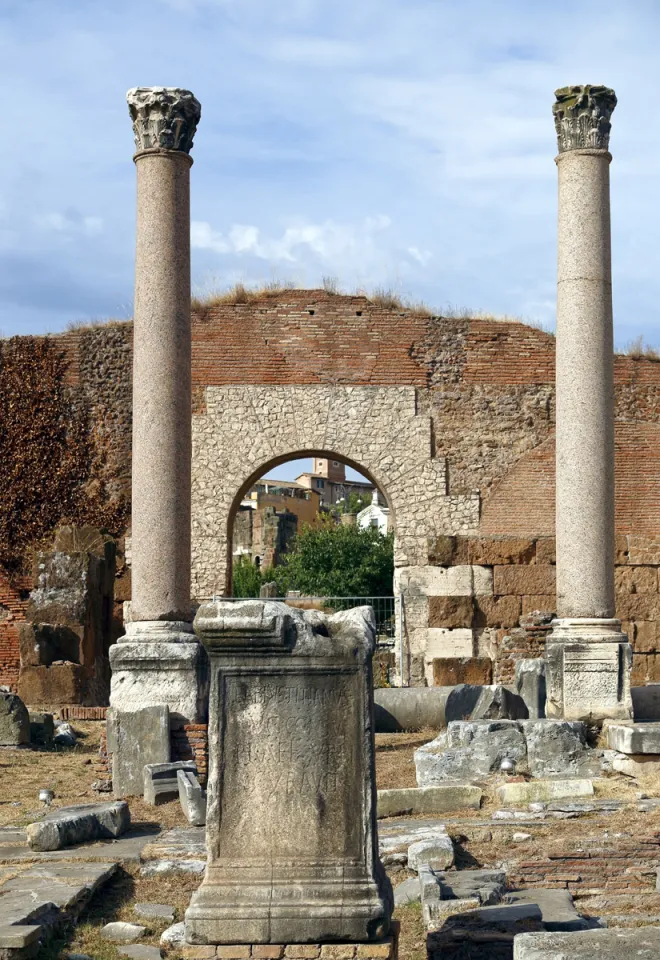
[589,662]
[588,658]
[291,816]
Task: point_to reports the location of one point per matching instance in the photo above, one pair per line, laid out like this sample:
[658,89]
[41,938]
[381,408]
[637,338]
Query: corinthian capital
[582,117]
[164,118]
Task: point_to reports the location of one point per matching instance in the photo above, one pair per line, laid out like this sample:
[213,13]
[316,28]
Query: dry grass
[94,322]
[639,350]
[394,758]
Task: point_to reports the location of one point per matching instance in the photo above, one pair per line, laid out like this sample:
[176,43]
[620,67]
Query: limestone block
[470,751]
[611,944]
[539,579]
[192,798]
[66,826]
[450,671]
[546,550]
[646,636]
[635,580]
[460,581]
[530,684]
[501,550]
[121,932]
[634,738]
[442,642]
[637,764]
[497,611]
[449,611]
[409,708]
[161,782]
[136,738]
[154,911]
[557,908]
[155,665]
[291,783]
[558,748]
[406,892]
[425,800]
[519,794]
[437,853]
[14,721]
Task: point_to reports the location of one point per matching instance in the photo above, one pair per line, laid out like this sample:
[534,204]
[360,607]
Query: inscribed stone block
[290,809]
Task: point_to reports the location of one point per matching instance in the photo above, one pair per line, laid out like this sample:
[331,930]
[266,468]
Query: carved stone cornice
[164,118]
[582,117]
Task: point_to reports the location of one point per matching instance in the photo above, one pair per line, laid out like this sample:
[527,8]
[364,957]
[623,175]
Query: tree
[246,578]
[331,560]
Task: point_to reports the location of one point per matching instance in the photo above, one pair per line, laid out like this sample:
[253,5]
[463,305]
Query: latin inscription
[292,783]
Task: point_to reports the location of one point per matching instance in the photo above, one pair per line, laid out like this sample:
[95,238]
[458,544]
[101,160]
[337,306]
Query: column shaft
[162,389]
[584,378]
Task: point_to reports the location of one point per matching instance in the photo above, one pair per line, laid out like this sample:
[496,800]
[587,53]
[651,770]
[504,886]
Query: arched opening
[316,529]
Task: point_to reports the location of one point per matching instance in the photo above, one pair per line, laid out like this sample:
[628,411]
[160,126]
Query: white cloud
[69,223]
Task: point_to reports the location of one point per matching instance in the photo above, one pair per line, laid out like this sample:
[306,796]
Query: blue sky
[384,143]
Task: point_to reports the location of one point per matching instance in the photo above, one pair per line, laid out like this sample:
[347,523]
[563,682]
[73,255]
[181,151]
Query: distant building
[377,514]
[270,515]
[328,479]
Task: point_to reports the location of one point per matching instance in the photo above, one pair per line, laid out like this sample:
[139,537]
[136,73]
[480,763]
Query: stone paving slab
[177,844]
[42,896]
[643,944]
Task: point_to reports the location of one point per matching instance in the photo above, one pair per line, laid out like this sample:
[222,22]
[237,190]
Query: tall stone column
[588,656]
[157,662]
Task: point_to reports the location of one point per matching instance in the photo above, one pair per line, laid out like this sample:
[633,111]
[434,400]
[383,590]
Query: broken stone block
[65,735]
[395,836]
[406,892]
[192,798]
[136,738]
[419,800]
[42,729]
[517,794]
[438,853]
[494,929]
[14,721]
[558,748]
[612,944]
[495,702]
[140,951]
[121,932]
[160,780]
[470,751]
[634,737]
[66,826]
[530,684]
[637,765]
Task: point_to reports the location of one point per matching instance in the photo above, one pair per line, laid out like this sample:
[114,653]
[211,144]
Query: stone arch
[243,430]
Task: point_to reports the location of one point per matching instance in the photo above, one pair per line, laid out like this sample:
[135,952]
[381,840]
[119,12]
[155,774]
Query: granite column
[588,655]
[157,661]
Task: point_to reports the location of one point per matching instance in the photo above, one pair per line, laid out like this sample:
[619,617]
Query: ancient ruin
[528,601]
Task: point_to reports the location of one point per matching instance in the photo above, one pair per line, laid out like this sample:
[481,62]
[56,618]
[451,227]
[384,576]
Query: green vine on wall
[50,471]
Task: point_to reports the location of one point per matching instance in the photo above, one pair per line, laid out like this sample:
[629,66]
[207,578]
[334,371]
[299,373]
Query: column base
[157,663]
[589,662]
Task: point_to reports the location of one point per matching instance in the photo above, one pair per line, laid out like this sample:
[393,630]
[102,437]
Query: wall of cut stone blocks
[481,602]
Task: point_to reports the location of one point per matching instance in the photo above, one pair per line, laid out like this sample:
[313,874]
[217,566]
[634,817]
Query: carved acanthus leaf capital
[164,118]
[582,117]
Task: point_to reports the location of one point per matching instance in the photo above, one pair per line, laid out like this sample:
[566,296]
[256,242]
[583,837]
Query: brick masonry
[454,418]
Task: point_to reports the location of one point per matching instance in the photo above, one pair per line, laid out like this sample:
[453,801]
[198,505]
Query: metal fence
[384,610]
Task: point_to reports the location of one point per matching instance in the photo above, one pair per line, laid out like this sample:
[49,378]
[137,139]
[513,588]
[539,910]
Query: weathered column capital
[582,117]
[164,118]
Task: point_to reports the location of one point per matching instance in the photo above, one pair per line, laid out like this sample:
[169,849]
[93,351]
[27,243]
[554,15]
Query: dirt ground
[69,773]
